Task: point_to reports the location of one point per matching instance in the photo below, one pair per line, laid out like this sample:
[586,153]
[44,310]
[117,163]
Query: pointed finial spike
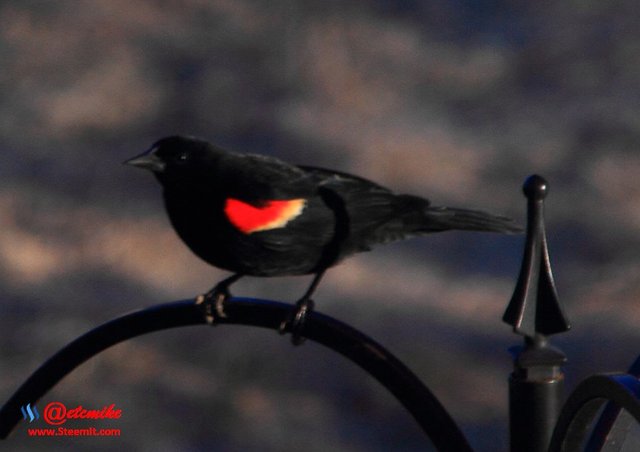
[534,307]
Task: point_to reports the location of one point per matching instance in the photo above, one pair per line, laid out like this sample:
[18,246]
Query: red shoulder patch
[272,215]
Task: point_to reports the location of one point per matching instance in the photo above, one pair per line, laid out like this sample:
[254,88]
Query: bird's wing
[286,207]
[299,207]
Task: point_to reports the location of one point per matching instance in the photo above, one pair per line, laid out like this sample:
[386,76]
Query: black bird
[260,216]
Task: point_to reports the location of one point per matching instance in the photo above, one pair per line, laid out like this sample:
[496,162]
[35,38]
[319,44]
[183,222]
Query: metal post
[536,389]
[536,385]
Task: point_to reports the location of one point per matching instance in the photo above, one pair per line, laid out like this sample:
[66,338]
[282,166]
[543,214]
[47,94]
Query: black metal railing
[597,416]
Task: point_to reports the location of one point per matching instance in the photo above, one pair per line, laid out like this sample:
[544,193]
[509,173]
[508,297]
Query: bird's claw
[213,303]
[296,319]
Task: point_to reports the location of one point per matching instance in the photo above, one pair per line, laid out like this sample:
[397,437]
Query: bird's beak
[148,161]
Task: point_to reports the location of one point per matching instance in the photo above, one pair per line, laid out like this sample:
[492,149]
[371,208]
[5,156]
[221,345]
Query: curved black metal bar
[359,348]
[609,417]
[583,406]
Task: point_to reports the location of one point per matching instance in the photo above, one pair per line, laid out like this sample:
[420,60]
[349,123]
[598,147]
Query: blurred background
[455,100]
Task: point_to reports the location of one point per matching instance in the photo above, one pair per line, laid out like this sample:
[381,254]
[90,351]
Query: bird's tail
[414,216]
[445,218]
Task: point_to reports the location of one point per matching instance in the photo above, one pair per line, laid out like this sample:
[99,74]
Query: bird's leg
[213,300]
[296,318]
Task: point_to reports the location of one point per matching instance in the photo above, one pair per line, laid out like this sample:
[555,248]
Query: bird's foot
[212,303]
[295,320]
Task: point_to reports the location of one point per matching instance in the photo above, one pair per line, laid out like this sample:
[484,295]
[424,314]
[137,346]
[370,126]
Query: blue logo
[29,412]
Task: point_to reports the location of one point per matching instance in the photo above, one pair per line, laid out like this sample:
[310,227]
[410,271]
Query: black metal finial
[534,308]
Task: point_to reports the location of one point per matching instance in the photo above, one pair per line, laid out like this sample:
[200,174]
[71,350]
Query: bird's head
[178,159]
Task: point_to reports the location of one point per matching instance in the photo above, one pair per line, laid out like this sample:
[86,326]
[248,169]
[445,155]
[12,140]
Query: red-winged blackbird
[257,215]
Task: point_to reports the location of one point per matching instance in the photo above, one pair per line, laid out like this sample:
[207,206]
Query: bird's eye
[182,157]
